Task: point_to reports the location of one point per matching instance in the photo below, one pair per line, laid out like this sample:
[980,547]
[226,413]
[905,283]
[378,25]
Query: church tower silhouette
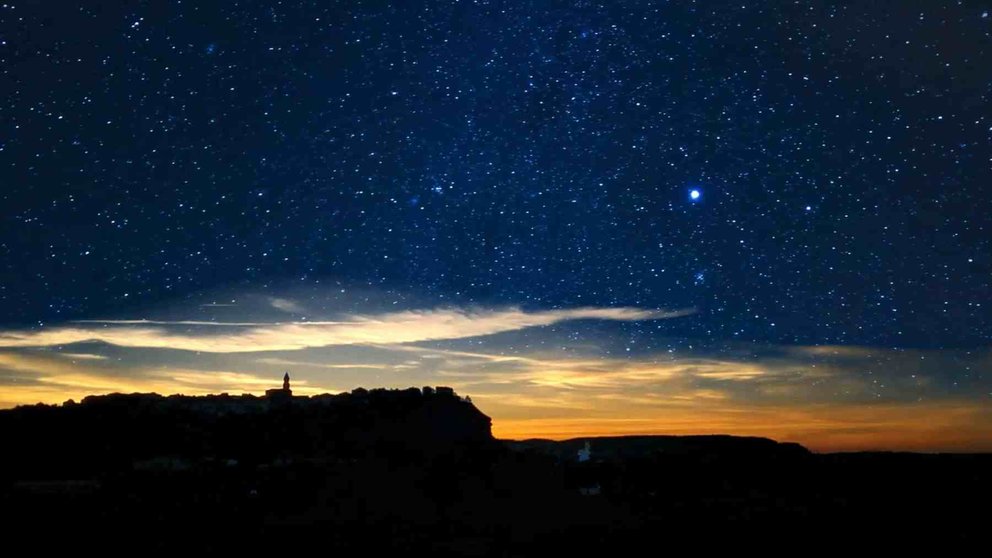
[280,395]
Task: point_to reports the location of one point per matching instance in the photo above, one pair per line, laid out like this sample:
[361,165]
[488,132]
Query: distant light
[695,194]
[808,208]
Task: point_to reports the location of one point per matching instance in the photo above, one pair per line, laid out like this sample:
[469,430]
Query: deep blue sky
[531,153]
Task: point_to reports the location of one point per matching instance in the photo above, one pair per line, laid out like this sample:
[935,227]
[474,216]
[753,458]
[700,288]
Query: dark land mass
[418,470]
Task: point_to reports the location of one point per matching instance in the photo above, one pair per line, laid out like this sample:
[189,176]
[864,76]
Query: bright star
[694,194]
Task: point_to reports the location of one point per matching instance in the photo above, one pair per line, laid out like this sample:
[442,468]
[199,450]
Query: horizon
[586,428]
[731,218]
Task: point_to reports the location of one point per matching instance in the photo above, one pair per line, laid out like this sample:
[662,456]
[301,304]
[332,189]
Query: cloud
[389,328]
[286,305]
[328,366]
[211,323]
[82,356]
[551,370]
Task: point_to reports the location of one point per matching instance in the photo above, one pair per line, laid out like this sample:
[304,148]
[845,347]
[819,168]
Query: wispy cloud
[390,328]
[82,356]
[323,365]
[600,372]
[286,305]
[174,323]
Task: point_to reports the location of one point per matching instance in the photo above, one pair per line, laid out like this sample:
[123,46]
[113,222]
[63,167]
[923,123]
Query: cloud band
[390,328]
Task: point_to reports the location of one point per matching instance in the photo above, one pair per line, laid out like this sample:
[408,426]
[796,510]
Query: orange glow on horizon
[943,427]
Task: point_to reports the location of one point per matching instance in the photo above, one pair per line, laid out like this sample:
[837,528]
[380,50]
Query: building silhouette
[283,394]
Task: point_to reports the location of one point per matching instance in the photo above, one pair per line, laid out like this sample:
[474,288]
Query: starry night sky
[800,174]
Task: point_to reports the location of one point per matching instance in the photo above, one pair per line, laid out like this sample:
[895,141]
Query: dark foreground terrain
[419,471]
